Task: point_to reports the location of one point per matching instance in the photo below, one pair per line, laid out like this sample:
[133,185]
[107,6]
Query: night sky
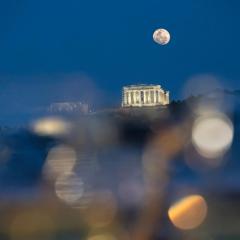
[85,50]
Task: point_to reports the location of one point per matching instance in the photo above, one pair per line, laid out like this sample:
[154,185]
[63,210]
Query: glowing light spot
[189,212]
[69,188]
[102,237]
[51,127]
[212,136]
[60,160]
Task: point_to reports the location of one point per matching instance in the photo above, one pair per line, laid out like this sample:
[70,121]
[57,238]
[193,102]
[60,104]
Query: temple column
[167,95]
[129,98]
[151,96]
[154,96]
[125,98]
[144,97]
[148,96]
[160,97]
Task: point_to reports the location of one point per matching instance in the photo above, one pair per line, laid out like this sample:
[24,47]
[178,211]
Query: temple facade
[144,96]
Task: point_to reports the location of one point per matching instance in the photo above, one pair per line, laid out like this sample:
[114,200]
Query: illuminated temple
[144,96]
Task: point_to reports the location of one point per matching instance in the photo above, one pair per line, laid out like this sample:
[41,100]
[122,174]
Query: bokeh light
[189,212]
[212,135]
[69,188]
[51,126]
[60,160]
[106,236]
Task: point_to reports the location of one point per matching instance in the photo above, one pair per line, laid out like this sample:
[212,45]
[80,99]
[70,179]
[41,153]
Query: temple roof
[137,86]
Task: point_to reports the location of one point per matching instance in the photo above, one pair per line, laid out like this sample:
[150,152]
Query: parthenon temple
[144,96]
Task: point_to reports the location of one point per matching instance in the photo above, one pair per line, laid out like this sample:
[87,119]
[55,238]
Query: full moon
[161,36]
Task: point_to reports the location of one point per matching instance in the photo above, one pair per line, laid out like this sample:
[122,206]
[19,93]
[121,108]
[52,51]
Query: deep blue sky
[57,50]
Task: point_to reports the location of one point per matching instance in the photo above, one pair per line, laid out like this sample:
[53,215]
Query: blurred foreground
[157,173]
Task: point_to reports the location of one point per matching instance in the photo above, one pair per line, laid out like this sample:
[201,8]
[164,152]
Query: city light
[60,160]
[212,135]
[51,127]
[189,212]
[69,188]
